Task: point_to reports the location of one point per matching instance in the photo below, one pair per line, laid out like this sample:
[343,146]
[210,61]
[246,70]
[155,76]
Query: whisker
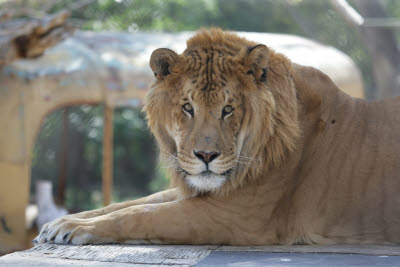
[249,158]
[163,149]
[169,166]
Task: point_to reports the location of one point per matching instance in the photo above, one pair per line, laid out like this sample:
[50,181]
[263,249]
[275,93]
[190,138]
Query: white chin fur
[204,183]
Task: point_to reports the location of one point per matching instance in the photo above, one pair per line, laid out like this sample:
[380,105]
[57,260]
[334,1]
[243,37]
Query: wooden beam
[108,154]
[63,159]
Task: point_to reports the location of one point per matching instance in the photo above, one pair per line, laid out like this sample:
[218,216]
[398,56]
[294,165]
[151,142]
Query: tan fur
[301,162]
[270,122]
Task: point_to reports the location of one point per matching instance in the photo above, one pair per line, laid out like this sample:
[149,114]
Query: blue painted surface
[224,258]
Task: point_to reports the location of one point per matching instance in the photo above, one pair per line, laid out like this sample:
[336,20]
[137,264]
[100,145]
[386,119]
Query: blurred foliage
[309,18]
[135,171]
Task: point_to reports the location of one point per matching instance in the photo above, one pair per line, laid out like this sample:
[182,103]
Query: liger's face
[199,109]
[206,127]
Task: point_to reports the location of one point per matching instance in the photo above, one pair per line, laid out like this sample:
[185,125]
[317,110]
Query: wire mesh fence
[68,149]
[68,152]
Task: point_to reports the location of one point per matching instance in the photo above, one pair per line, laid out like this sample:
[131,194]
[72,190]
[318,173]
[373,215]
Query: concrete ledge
[156,255]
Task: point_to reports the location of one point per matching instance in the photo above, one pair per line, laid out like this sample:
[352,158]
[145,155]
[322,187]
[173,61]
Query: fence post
[108,154]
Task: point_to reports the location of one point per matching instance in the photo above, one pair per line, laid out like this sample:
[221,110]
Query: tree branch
[349,13]
[30,37]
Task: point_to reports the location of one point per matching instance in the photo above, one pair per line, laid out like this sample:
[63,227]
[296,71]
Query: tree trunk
[382,46]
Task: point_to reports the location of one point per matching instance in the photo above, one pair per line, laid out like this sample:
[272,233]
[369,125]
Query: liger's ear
[257,56]
[161,60]
[256,61]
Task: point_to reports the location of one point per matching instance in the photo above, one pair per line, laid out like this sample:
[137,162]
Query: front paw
[68,231]
[43,236]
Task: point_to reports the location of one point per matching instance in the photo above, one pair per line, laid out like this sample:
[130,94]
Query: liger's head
[213,110]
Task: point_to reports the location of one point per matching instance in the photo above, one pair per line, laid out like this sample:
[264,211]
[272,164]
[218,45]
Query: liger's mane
[274,129]
[215,37]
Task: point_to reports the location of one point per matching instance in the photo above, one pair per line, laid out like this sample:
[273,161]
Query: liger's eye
[188,109]
[227,110]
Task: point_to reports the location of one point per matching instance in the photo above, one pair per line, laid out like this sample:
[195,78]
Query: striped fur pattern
[219,69]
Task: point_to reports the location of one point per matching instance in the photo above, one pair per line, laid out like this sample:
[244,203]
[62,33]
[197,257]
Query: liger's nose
[206,157]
